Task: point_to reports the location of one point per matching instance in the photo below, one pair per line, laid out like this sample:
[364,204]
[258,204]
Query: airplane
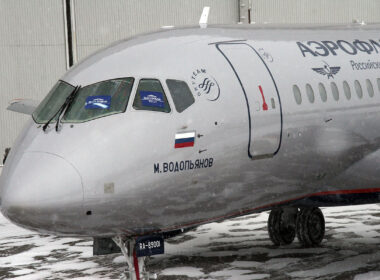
[186,126]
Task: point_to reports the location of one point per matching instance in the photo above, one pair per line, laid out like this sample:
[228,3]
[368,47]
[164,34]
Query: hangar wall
[33,35]
[311,11]
[32,57]
[33,42]
[120,19]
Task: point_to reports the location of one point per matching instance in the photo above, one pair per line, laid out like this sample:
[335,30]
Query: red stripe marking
[252,210]
[136,265]
[265,105]
[348,191]
[183,145]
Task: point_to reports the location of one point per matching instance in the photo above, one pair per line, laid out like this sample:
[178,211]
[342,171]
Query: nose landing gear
[307,223]
[136,266]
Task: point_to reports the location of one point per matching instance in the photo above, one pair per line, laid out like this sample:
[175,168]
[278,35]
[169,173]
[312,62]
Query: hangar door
[261,95]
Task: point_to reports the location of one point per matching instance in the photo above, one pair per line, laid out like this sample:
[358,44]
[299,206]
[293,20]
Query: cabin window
[52,102]
[358,89]
[99,100]
[310,93]
[297,94]
[335,91]
[150,96]
[370,90]
[347,90]
[322,92]
[181,94]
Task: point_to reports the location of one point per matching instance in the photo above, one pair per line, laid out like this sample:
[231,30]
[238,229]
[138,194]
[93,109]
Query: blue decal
[152,99]
[149,245]
[98,102]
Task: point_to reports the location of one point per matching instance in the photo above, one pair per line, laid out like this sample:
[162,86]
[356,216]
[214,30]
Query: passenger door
[261,95]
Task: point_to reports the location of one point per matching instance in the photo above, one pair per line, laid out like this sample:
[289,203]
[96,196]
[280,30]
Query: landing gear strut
[136,266]
[307,223]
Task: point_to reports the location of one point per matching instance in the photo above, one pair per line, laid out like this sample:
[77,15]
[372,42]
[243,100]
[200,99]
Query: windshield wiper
[62,109]
[70,100]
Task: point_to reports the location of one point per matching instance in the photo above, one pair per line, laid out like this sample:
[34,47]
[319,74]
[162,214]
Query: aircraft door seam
[245,94]
[278,94]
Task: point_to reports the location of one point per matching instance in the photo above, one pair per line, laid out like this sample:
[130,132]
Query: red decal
[265,105]
[136,265]
[183,145]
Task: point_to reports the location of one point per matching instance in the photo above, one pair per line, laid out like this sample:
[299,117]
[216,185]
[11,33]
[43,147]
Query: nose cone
[42,192]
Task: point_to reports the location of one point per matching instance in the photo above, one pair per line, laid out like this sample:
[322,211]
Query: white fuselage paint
[261,148]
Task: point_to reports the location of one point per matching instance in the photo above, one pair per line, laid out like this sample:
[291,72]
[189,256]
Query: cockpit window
[181,94]
[91,102]
[99,100]
[150,96]
[52,102]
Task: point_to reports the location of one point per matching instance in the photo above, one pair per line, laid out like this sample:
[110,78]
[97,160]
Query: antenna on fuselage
[356,21]
[204,17]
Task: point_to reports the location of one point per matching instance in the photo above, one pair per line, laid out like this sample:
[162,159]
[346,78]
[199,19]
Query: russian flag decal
[184,139]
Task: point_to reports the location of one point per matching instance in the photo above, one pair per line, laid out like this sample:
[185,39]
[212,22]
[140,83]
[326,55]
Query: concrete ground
[234,249]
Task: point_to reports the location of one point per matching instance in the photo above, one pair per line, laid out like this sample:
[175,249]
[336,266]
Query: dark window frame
[103,116]
[136,94]
[34,117]
[173,99]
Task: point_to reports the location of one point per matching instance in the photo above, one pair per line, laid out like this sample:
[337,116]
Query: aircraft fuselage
[281,117]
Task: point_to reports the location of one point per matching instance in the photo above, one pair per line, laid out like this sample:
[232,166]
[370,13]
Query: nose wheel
[135,266]
[307,223]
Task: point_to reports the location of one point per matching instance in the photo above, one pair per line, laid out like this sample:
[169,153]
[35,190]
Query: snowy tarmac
[234,249]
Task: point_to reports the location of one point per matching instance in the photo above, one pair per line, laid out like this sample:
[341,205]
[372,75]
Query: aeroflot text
[183,165]
[326,48]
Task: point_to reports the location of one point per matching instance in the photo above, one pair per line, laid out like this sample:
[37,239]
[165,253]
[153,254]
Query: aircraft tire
[310,226]
[280,231]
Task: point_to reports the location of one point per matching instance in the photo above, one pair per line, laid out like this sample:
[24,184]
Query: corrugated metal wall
[32,56]
[315,11]
[99,22]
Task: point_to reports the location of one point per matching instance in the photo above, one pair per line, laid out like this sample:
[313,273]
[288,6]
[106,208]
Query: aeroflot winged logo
[327,70]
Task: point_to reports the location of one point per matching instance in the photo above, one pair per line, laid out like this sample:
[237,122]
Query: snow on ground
[234,249]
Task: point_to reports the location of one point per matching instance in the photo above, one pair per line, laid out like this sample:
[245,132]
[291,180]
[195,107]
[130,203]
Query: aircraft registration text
[149,245]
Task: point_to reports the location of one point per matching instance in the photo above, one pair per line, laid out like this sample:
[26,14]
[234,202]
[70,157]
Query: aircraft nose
[42,192]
